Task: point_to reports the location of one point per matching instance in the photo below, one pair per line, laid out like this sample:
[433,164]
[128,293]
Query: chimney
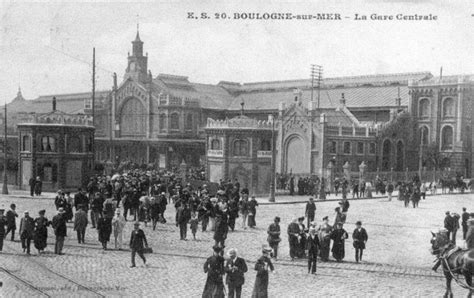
[54,104]
[342,101]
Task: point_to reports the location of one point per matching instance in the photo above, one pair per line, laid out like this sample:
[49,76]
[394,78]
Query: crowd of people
[107,203]
[409,191]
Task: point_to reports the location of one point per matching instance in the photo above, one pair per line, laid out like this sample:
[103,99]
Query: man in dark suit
[235,269]
[183,215]
[310,211]
[360,238]
[464,218]
[32,183]
[60,230]
[137,243]
[312,245]
[27,227]
[449,223]
[81,201]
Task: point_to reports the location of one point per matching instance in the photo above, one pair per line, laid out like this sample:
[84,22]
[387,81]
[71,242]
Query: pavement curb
[316,201]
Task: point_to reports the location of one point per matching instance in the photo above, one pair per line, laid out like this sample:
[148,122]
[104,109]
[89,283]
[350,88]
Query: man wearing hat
[80,223]
[293,231]
[310,211]
[449,223]
[27,228]
[3,223]
[214,267]
[235,269]
[464,218]
[137,243]
[274,236]
[11,221]
[312,246]
[60,230]
[252,212]
[360,238]
[263,266]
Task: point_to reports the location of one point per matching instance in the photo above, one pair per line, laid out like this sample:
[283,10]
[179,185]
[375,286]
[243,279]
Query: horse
[455,261]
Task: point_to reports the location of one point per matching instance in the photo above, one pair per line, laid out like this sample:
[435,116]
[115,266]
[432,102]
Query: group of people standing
[315,241]
[234,269]
[33,229]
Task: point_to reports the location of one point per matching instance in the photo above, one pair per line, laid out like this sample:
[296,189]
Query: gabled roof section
[209,96]
[334,117]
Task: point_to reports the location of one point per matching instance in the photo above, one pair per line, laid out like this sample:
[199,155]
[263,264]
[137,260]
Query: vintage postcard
[237,148]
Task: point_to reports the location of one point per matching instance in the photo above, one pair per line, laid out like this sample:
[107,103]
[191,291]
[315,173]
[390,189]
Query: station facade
[378,119]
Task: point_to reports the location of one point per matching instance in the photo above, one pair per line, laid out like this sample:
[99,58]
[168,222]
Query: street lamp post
[273,165]
[5,179]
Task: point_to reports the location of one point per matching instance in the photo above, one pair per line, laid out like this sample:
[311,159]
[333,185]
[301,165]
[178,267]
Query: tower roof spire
[137,38]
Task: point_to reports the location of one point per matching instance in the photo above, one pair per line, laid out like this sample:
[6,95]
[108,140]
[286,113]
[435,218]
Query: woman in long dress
[214,267]
[324,234]
[339,235]
[41,231]
[104,227]
[263,265]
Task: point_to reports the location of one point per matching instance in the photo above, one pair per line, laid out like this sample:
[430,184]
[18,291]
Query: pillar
[347,171]
[362,171]
[183,170]
[330,176]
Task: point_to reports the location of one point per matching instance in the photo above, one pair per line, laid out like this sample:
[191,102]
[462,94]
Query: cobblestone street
[397,261]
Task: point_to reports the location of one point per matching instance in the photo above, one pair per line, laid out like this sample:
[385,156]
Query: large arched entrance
[295,161]
[132,119]
[386,154]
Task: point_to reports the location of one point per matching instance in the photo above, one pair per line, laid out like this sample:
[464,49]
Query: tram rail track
[24,282]
[30,285]
[362,267]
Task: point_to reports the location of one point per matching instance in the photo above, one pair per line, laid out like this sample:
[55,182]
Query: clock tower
[137,63]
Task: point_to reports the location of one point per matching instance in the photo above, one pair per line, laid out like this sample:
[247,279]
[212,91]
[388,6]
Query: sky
[46,47]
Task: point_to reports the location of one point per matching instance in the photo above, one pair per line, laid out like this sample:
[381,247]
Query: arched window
[132,118]
[265,145]
[447,137]
[424,135]
[174,121]
[347,148]
[240,148]
[26,143]
[74,144]
[48,144]
[448,107]
[424,107]
[400,151]
[162,122]
[386,155]
[215,144]
[189,122]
